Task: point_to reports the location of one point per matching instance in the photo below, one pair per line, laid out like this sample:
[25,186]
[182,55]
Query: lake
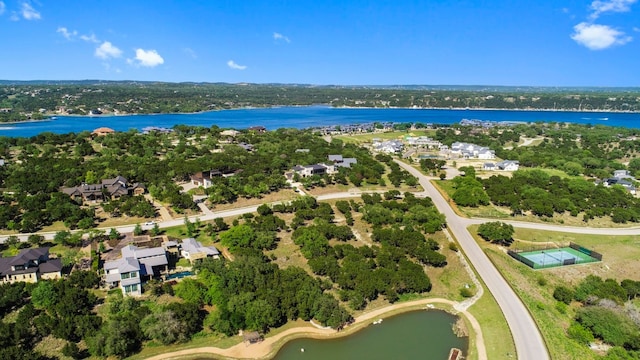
[414,335]
[308,116]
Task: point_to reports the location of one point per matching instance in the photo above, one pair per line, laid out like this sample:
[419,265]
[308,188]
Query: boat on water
[455,354]
[376,322]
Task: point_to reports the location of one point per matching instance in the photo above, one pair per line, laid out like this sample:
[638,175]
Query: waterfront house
[102,131]
[30,265]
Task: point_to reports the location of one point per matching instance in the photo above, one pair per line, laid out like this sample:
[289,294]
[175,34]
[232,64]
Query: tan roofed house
[102,131]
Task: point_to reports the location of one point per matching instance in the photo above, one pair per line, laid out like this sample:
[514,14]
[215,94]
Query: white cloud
[28,12]
[598,37]
[232,64]
[636,29]
[14,16]
[3,7]
[107,50]
[90,38]
[190,52]
[148,58]
[604,6]
[66,33]
[278,36]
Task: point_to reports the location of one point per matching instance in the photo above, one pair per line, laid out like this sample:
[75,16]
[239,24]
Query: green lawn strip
[495,331]
[199,340]
[535,289]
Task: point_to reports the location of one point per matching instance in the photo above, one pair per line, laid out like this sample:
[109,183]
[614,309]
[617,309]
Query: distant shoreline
[351,107]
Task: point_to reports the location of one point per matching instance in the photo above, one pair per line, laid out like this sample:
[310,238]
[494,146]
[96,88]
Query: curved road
[528,340]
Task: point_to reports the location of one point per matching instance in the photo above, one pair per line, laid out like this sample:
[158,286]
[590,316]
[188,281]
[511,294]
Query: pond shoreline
[268,348]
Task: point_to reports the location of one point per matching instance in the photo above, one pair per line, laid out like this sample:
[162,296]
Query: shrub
[563,294]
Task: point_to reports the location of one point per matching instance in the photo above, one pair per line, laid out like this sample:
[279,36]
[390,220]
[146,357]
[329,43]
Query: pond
[413,335]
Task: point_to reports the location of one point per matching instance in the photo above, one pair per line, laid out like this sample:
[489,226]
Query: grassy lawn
[535,287]
[495,331]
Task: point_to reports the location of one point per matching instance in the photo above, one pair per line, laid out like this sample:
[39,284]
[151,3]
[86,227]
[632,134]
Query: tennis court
[541,259]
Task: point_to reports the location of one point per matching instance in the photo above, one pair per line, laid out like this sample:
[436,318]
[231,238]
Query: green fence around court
[578,255]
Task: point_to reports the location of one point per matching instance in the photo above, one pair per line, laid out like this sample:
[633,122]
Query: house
[389,147]
[489,166]
[135,266]
[230,132]
[622,174]
[258,129]
[316,169]
[339,161]
[30,265]
[508,165]
[192,250]
[246,146]
[102,131]
[204,178]
[628,185]
[107,189]
[472,151]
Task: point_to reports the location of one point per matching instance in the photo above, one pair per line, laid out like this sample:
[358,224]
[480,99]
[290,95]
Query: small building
[30,265]
[489,166]
[102,131]
[508,165]
[192,250]
[258,129]
[247,147]
[204,178]
[252,337]
[622,174]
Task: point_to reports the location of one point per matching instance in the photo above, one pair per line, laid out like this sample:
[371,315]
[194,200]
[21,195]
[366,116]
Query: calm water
[304,117]
[421,335]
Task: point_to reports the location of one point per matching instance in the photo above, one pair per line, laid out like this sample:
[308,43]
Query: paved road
[528,340]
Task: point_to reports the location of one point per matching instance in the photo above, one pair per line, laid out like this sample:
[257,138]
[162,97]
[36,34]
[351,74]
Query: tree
[35,239]
[163,327]
[114,234]
[240,236]
[12,241]
[497,232]
[137,230]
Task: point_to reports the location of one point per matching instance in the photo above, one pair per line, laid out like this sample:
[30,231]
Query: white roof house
[134,265]
[339,161]
[508,165]
[192,250]
[472,151]
[315,169]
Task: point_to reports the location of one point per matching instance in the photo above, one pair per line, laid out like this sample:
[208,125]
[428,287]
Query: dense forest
[33,101]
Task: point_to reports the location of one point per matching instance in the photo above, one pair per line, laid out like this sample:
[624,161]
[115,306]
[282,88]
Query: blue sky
[430,42]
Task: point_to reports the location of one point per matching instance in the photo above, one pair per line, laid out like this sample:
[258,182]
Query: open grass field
[535,287]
